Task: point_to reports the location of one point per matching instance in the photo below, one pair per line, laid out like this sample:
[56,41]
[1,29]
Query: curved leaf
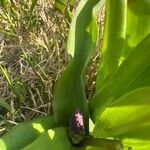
[53,139]
[138,22]
[133,73]
[83,31]
[122,33]
[69,91]
[127,117]
[24,133]
[113,41]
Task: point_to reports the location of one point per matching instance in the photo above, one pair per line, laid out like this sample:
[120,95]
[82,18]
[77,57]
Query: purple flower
[76,127]
[77,123]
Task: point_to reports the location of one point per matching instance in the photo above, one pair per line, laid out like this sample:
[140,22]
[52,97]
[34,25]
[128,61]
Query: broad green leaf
[69,90]
[138,23]
[53,139]
[140,132]
[5,104]
[24,133]
[57,139]
[135,22]
[113,41]
[83,31]
[136,144]
[133,73]
[127,117]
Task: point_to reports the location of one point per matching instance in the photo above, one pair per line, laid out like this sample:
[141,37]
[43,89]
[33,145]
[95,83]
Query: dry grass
[33,51]
[33,55]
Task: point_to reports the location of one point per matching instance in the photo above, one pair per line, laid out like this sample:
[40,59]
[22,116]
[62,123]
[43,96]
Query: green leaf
[123,32]
[120,106]
[136,144]
[113,41]
[69,90]
[127,117]
[83,31]
[5,104]
[6,75]
[24,133]
[140,132]
[53,139]
[138,23]
[133,73]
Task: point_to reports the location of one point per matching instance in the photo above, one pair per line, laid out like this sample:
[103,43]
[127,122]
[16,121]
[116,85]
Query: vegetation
[119,108]
[32,56]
